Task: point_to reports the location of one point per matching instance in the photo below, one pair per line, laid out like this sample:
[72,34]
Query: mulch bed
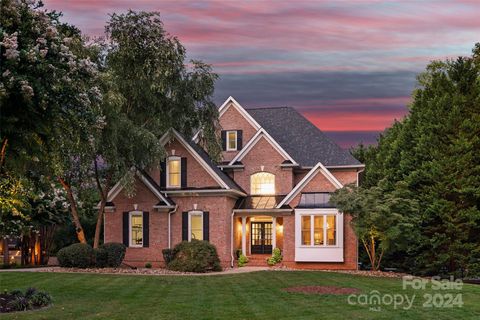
[322,290]
[145,271]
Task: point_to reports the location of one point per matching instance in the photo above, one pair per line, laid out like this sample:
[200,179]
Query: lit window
[231,140]
[262,183]
[306,230]
[196,226]
[323,232]
[136,229]
[173,172]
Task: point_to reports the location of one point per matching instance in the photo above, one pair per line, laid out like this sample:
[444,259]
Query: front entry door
[261,237]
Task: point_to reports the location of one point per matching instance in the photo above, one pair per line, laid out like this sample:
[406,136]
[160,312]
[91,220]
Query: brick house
[271,190]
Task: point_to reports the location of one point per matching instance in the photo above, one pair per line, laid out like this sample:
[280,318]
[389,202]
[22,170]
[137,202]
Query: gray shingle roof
[300,138]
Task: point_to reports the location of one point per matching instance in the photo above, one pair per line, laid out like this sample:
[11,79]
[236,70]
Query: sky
[348,66]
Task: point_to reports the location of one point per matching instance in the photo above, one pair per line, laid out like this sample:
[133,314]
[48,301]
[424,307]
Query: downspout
[169,226]
[358,184]
[231,240]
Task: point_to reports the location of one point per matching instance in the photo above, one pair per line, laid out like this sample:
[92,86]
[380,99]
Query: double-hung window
[231,140]
[174,172]
[195,225]
[136,229]
[319,230]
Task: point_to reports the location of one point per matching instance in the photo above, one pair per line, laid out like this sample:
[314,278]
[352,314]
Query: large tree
[48,98]
[433,153]
[149,88]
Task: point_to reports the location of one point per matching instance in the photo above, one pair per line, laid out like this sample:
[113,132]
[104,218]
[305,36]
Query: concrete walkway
[142,271]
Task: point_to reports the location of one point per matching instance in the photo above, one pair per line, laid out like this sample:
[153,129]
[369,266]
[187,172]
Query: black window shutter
[126,228]
[184,173]
[239,139]
[184,226]
[224,140]
[206,226]
[146,229]
[163,174]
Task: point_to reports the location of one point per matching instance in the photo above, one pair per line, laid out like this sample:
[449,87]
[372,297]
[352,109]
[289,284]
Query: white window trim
[312,230]
[228,142]
[190,214]
[274,183]
[130,244]
[319,253]
[167,169]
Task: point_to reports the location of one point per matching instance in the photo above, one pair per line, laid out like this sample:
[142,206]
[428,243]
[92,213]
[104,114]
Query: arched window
[262,183]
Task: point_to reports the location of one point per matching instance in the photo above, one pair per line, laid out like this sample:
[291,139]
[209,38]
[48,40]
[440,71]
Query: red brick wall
[263,154]
[234,120]
[158,240]
[197,176]
[319,183]
[345,176]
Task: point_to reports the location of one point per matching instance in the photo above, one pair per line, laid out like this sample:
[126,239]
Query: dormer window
[231,140]
[174,172]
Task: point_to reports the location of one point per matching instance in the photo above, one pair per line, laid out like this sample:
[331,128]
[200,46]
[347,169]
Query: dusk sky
[348,66]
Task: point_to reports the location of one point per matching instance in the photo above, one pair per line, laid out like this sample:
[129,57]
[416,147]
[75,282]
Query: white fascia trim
[308,177]
[253,142]
[206,191]
[346,166]
[163,140]
[119,187]
[232,102]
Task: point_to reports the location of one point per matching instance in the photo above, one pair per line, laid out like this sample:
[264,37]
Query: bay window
[319,230]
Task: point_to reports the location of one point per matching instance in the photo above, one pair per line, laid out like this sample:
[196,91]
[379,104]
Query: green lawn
[243,296]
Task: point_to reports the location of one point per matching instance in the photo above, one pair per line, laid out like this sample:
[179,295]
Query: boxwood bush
[77,255]
[195,256]
[101,257]
[115,253]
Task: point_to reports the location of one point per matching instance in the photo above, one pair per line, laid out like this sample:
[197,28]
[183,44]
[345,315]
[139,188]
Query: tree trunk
[103,201]
[74,211]
[6,258]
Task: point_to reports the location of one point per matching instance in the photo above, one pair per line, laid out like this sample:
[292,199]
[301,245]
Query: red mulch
[322,290]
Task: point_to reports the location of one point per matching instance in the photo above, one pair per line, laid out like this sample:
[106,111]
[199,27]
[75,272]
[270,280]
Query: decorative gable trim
[310,175]
[113,193]
[224,107]
[172,132]
[256,138]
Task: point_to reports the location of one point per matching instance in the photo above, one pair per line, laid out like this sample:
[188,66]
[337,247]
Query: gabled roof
[231,102]
[301,139]
[255,139]
[148,182]
[203,159]
[319,167]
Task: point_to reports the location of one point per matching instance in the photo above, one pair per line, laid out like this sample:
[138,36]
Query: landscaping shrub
[101,257]
[115,253]
[275,258]
[195,256]
[78,255]
[242,260]
[148,265]
[167,255]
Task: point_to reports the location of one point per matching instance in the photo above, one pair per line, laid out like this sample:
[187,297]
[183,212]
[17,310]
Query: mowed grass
[255,295]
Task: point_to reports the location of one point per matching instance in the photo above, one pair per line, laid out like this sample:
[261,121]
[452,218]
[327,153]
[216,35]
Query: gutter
[231,240]
[169,226]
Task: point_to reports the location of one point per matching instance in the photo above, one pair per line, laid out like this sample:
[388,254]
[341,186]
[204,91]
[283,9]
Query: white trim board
[166,137]
[119,187]
[224,107]
[308,177]
[232,102]
[254,140]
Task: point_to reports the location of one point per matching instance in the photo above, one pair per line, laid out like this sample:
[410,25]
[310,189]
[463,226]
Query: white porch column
[244,236]
[274,232]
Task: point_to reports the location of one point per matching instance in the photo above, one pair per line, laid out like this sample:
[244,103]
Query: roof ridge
[260,108]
